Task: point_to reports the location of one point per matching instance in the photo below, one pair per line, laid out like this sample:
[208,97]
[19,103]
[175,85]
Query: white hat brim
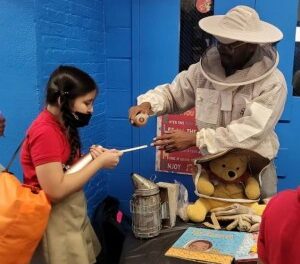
[267,33]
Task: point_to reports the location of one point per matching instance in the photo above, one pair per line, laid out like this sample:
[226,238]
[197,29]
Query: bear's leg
[197,211]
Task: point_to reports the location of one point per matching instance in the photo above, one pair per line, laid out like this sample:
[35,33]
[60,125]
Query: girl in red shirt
[52,144]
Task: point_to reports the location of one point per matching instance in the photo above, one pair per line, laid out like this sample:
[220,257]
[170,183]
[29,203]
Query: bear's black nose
[231,174]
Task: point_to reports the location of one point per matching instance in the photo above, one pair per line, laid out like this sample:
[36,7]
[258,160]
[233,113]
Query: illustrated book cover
[213,246]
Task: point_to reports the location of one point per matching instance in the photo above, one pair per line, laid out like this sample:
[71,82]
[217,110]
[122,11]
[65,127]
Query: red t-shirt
[279,235]
[46,142]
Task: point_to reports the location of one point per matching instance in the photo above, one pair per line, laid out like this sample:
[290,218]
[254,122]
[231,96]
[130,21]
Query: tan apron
[70,238]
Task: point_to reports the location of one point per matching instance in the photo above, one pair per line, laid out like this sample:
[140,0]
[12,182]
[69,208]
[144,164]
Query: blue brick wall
[119,94]
[72,32]
[18,69]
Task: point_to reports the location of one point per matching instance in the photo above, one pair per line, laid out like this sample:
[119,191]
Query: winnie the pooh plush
[226,177]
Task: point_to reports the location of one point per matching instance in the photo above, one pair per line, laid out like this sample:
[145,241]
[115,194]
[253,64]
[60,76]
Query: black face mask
[78,119]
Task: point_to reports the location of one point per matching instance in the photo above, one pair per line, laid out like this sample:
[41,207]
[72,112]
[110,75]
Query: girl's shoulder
[45,124]
[42,130]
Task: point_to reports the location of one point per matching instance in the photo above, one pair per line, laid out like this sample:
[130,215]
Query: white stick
[83,161]
[133,149]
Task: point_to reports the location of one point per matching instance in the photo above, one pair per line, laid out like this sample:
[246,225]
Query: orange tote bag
[24,213]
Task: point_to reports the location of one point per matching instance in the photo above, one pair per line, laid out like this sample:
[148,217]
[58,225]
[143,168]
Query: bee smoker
[145,208]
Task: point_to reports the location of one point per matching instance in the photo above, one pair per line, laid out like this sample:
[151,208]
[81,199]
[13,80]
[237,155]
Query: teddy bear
[224,177]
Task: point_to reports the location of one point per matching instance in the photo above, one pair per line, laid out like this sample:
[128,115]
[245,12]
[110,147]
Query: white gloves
[239,216]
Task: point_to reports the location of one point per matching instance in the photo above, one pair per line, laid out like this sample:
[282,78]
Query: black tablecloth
[144,251]
[151,251]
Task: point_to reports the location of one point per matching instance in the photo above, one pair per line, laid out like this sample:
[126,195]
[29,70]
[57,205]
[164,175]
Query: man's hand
[175,140]
[2,124]
[134,111]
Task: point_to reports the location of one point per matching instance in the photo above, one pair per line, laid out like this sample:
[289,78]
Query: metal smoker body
[145,208]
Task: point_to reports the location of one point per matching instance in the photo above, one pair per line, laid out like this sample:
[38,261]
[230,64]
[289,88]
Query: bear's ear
[213,164]
[244,159]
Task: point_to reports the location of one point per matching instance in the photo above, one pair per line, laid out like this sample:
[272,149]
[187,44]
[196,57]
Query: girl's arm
[58,185]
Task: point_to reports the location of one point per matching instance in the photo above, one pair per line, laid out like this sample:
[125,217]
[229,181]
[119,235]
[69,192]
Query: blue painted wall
[142,51]
[157,56]
[288,161]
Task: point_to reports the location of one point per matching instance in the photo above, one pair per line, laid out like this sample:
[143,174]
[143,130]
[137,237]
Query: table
[151,251]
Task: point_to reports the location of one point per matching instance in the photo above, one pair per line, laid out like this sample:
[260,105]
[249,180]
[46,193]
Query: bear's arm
[204,186]
[252,189]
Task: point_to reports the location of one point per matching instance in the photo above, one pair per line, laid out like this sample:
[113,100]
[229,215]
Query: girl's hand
[96,150]
[109,158]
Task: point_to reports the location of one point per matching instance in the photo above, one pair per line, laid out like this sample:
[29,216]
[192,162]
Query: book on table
[214,246]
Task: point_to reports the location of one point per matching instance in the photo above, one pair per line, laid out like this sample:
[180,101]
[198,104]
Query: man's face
[235,55]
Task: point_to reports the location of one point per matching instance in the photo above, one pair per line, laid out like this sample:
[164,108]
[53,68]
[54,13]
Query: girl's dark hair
[68,83]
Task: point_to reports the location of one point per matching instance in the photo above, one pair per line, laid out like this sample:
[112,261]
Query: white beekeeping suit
[238,110]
